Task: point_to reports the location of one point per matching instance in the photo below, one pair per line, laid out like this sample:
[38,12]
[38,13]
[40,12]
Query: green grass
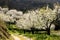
[43,36]
[38,36]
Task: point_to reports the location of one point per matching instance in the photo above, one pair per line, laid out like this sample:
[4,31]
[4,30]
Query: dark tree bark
[48,31]
[48,27]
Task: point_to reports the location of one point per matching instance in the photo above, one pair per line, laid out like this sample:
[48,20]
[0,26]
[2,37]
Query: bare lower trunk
[48,31]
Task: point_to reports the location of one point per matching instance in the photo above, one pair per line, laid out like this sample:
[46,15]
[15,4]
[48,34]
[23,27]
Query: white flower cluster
[10,15]
[34,18]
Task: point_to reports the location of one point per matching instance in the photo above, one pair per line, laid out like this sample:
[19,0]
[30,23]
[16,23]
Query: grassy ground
[38,36]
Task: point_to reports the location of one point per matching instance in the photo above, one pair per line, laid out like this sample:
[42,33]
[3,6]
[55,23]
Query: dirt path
[20,37]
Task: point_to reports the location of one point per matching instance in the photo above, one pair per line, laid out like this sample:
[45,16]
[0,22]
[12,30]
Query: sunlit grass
[34,36]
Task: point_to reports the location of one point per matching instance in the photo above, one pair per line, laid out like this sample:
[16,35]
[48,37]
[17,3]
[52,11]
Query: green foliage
[34,36]
[43,36]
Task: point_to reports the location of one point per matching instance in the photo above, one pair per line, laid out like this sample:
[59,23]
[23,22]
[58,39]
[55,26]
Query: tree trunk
[48,31]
